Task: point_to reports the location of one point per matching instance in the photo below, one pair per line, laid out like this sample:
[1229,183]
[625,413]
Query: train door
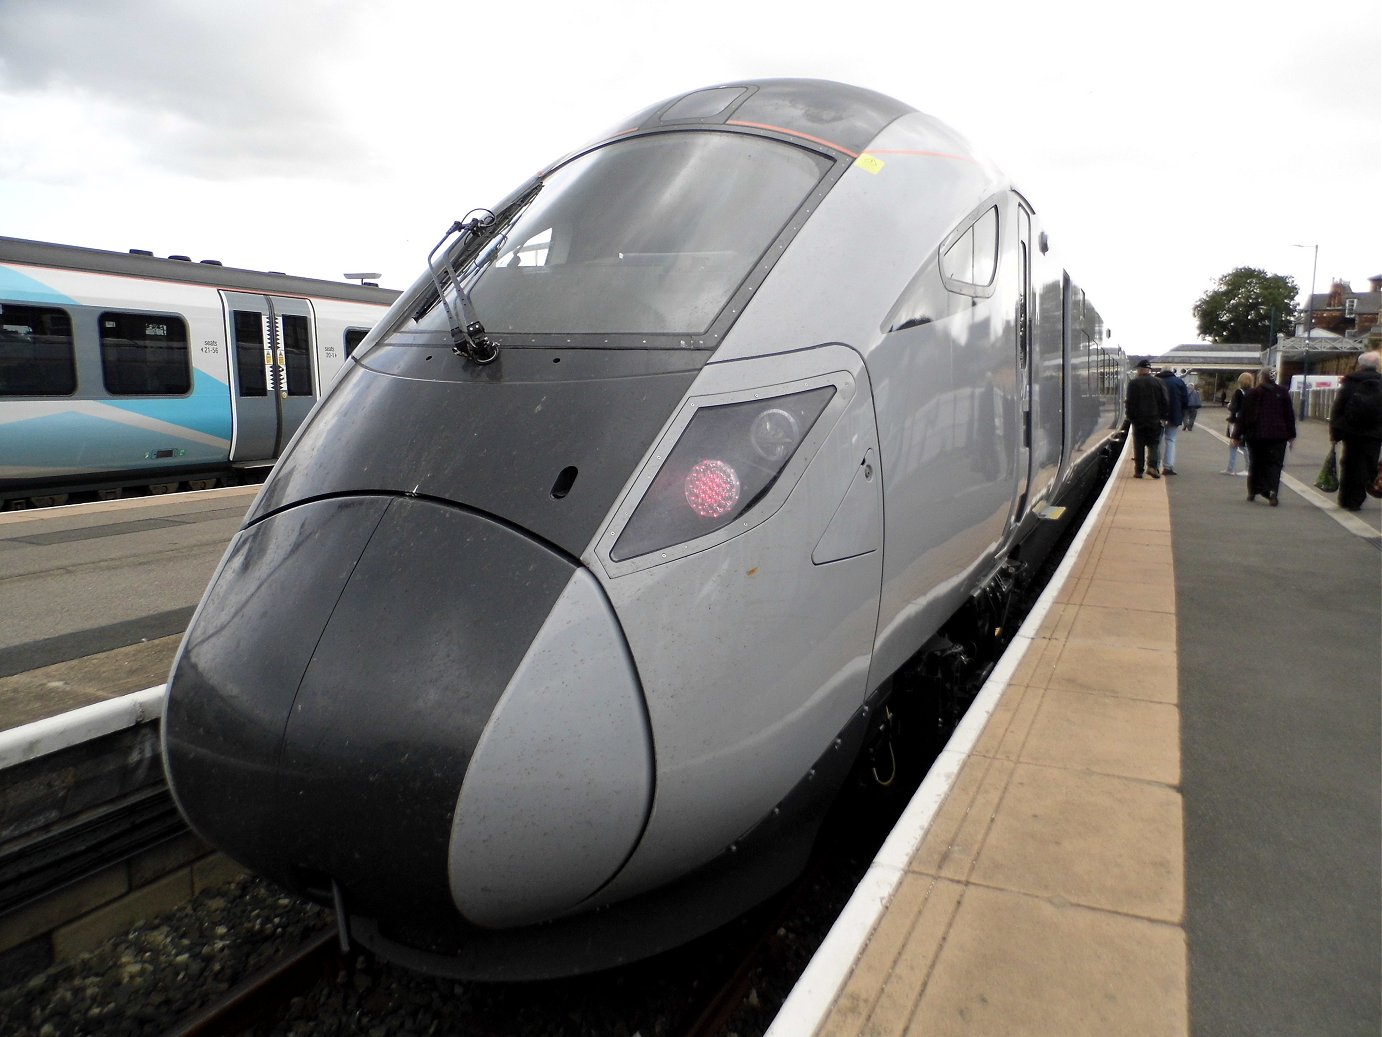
[1025,360]
[273,371]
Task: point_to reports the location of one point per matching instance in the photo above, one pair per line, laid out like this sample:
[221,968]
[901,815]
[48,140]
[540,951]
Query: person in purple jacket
[1269,425]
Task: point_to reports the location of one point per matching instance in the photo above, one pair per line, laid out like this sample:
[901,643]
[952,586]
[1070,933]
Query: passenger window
[970,261]
[249,352]
[297,354]
[144,354]
[353,338]
[36,352]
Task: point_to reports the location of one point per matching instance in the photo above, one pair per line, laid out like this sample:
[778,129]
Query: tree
[1247,306]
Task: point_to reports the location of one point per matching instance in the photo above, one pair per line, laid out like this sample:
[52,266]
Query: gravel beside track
[160,973]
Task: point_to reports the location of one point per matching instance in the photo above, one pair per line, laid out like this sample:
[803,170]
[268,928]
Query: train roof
[183,271]
[844,117]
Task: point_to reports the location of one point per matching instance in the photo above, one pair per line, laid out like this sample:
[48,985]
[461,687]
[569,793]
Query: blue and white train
[126,370]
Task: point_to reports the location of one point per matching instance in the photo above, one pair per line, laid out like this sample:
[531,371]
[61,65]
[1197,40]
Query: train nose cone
[561,783]
[335,681]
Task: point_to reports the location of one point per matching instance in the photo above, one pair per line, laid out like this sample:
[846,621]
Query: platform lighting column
[1309,326]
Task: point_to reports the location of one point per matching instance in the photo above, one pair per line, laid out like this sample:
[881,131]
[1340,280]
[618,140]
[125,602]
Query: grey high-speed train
[597,572]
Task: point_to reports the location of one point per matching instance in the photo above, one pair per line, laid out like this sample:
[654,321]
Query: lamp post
[1309,327]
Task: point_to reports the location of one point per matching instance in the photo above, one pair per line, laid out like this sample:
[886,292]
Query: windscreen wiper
[468,338]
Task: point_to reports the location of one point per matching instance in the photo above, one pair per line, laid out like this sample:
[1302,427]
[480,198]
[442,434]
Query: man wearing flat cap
[1145,410]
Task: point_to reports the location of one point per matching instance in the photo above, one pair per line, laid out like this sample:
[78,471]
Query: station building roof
[1211,356]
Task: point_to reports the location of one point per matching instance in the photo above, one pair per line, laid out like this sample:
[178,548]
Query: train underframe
[48,493]
[919,706]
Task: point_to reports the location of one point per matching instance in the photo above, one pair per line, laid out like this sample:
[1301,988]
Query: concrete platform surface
[96,596]
[1167,820]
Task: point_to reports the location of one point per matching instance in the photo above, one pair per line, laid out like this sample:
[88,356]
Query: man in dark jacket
[1145,409]
[1178,398]
[1356,421]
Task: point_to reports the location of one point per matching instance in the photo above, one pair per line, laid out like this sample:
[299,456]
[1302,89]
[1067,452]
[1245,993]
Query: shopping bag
[1328,479]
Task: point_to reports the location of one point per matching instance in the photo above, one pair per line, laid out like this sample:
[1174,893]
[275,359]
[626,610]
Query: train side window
[36,352]
[353,338]
[145,354]
[969,257]
[297,354]
[965,264]
[249,352]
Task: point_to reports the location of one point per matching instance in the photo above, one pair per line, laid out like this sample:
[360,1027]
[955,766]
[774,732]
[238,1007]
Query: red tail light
[725,460]
[712,488]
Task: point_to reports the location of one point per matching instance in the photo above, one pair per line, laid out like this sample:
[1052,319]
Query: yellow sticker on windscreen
[869,164]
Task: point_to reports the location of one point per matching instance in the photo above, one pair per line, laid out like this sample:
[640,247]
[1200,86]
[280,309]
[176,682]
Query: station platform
[1163,814]
[95,596]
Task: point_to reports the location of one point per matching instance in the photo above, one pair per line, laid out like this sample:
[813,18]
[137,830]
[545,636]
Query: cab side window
[969,257]
[966,264]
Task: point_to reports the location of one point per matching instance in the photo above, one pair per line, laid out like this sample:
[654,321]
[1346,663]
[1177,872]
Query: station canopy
[1211,356]
[1320,341]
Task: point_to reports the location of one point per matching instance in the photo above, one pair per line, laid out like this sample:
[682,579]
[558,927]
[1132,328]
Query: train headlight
[725,460]
[775,434]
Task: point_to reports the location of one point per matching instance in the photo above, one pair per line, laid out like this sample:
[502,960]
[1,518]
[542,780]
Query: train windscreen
[650,235]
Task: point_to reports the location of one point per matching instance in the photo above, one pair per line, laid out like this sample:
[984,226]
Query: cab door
[1025,360]
[274,371]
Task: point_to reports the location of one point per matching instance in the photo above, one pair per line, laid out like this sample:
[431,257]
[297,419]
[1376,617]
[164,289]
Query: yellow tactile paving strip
[1047,896]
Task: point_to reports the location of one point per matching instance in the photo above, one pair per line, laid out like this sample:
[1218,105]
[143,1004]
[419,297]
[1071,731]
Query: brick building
[1346,312]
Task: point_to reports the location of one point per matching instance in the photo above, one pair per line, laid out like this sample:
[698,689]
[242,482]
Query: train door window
[249,352]
[297,354]
[144,354]
[36,352]
[969,257]
[353,338]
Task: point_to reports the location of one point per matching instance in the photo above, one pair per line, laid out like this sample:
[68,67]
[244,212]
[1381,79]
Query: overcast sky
[1162,144]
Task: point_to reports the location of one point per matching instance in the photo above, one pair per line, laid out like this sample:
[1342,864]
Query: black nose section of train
[335,680]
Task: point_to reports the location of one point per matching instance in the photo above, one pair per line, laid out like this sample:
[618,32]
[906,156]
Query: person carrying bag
[1328,479]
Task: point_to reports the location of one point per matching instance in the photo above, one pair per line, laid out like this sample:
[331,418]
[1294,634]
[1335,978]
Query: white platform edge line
[96,507]
[30,741]
[806,1006]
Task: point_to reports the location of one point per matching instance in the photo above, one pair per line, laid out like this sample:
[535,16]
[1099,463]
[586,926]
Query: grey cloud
[212,90]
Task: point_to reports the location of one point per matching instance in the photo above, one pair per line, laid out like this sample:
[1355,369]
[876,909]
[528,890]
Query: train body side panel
[94,430]
[946,390]
[753,655]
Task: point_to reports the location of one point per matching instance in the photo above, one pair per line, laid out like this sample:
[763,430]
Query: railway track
[259,1000]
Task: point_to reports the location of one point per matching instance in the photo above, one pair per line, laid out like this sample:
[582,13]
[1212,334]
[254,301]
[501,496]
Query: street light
[1309,327]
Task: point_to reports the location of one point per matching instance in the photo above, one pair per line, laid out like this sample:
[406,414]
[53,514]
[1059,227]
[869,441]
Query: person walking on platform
[1145,409]
[1356,421]
[1192,407]
[1269,424]
[1178,399]
[1234,433]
